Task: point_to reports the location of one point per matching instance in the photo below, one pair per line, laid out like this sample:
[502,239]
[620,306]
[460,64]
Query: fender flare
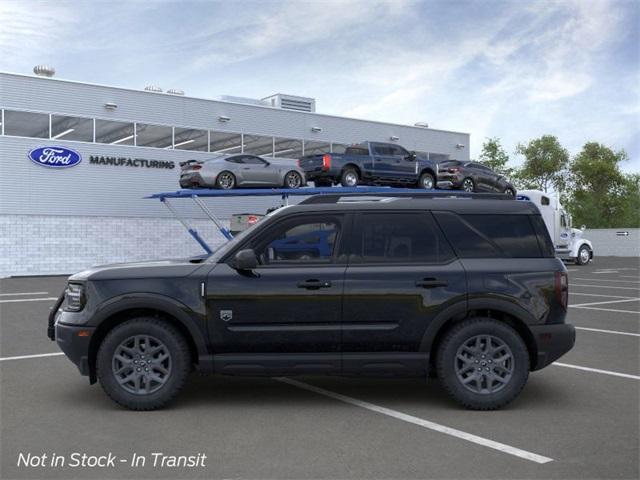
[461,308]
[162,303]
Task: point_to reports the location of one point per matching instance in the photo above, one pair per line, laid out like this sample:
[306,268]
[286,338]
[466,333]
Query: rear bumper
[552,342]
[191,180]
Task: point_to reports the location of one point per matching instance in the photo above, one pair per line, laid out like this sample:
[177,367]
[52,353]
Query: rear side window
[399,238]
[513,234]
[491,236]
[356,151]
[544,240]
[467,241]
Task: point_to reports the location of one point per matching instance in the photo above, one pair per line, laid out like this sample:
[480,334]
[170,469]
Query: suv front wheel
[143,363]
[483,363]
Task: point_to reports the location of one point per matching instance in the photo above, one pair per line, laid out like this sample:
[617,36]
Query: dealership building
[127,144]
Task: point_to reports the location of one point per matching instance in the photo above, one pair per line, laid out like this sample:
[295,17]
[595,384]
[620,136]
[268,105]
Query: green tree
[495,157]
[544,165]
[601,196]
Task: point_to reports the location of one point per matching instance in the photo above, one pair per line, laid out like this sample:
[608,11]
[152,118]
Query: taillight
[562,289]
[454,170]
[196,167]
[326,161]
[251,219]
[299,162]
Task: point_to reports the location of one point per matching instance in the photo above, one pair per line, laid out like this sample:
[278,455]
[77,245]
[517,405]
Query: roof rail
[382,196]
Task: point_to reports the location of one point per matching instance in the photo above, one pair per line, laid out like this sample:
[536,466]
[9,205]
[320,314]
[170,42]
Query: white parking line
[616,332]
[604,286]
[605,302]
[597,295]
[604,272]
[23,357]
[22,293]
[607,310]
[14,300]
[597,370]
[485,442]
[628,276]
[606,280]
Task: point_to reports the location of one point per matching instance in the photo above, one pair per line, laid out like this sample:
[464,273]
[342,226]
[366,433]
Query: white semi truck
[567,241]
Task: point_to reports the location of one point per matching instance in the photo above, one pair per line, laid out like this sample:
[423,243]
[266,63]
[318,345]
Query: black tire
[515,368]
[427,181]
[225,180]
[349,177]
[178,365]
[509,191]
[293,180]
[584,255]
[468,185]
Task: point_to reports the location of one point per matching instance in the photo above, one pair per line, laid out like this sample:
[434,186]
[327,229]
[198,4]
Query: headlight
[75,298]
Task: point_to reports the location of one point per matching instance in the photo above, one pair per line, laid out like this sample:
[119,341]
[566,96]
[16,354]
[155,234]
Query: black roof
[478,204]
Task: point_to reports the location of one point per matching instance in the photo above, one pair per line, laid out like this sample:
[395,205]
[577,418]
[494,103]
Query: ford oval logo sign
[55,157]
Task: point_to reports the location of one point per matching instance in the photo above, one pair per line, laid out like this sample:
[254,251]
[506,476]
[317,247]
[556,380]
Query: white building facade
[129,144]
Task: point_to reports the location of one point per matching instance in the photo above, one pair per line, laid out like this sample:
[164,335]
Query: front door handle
[313,284]
[431,283]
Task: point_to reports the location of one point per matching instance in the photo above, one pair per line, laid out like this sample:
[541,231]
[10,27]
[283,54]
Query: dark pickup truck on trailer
[382,285]
[371,163]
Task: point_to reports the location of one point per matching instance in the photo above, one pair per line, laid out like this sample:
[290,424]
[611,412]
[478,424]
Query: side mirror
[245,260]
[412,156]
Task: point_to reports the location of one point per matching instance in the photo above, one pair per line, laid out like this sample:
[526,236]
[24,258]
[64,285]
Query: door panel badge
[226,315]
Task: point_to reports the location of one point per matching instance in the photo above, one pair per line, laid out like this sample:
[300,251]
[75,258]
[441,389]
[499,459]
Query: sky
[514,70]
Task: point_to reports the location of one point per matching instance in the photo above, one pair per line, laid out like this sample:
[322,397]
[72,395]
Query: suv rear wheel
[143,363]
[468,185]
[483,363]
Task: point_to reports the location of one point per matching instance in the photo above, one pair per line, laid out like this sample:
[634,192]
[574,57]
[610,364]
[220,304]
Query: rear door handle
[313,284]
[431,283]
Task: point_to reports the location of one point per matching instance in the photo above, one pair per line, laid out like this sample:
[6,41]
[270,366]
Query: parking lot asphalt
[578,418]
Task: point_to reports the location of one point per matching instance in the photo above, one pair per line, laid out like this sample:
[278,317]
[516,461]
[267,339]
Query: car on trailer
[473,177]
[371,163]
[241,170]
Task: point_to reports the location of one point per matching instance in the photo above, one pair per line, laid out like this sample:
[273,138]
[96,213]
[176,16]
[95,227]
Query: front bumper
[552,342]
[74,341]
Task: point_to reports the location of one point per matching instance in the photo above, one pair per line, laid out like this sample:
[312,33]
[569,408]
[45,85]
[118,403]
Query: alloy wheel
[226,181]
[293,180]
[467,185]
[141,364]
[484,364]
[351,179]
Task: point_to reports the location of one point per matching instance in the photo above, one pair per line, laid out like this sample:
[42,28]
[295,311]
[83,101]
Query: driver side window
[300,242]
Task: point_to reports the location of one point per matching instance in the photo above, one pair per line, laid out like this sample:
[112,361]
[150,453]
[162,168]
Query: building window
[338,147]
[225,142]
[258,145]
[157,136]
[71,128]
[26,124]
[287,148]
[314,148]
[190,139]
[114,133]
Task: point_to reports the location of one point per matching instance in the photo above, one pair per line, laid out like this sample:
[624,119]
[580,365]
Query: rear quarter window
[491,235]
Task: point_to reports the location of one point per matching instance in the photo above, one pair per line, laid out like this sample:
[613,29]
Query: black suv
[467,289]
